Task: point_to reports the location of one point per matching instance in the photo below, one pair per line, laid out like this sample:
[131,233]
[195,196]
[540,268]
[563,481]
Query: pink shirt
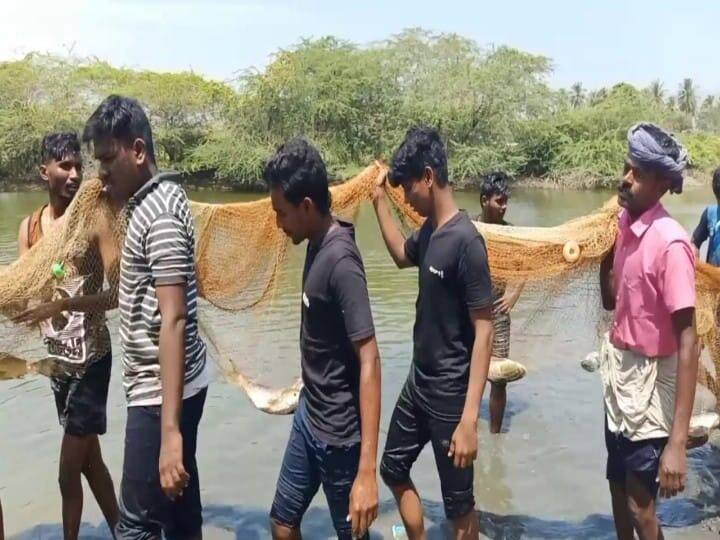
[654,275]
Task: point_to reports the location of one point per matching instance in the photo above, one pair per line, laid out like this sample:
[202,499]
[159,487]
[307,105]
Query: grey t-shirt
[336,312]
[453,278]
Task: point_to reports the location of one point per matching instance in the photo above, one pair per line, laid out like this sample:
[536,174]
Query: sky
[597,42]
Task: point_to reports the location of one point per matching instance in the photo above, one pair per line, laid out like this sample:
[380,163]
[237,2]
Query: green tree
[687,97]
[657,91]
[577,95]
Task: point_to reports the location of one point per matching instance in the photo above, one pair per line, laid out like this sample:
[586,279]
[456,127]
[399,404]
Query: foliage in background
[493,106]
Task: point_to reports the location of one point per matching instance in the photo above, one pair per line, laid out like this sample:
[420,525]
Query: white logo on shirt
[306,300]
[440,273]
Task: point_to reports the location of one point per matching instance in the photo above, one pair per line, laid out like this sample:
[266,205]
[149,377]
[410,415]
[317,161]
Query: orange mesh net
[240,251]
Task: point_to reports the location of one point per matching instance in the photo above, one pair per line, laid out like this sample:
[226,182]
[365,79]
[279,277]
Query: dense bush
[494,107]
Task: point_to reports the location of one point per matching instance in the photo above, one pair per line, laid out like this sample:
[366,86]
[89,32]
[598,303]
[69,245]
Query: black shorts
[411,428]
[145,510]
[641,458]
[81,400]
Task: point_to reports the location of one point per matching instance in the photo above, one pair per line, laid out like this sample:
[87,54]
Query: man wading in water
[709,226]
[333,441]
[494,197]
[650,355]
[78,341]
[165,372]
[452,337]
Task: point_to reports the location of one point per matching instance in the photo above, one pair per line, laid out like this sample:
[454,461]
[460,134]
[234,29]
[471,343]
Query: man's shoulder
[669,230]
[167,198]
[466,231]
[342,247]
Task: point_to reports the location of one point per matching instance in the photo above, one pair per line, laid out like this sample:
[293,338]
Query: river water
[543,477]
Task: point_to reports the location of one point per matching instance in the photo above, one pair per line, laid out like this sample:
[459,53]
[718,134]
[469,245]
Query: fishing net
[240,254]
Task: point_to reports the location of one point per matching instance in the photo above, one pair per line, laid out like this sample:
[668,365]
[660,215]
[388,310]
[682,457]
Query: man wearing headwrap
[650,355]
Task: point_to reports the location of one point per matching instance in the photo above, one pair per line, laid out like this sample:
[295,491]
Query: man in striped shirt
[164,361]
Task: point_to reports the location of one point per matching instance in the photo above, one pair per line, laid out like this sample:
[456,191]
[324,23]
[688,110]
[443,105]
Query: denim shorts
[308,464]
[145,510]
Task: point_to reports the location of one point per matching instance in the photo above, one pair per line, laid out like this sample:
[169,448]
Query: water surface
[542,478]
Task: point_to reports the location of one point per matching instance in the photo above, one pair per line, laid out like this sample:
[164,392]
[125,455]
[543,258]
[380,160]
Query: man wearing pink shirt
[650,355]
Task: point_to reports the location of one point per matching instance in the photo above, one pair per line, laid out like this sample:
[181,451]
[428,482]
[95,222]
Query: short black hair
[58,146]
[495,183]
[121,118]
[716,183]
[299,170]
[421,148]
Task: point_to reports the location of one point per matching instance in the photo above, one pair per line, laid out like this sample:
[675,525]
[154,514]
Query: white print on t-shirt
[440,273]
[65,333]
[306,300]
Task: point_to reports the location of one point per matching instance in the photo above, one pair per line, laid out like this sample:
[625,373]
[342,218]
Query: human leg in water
[498,402]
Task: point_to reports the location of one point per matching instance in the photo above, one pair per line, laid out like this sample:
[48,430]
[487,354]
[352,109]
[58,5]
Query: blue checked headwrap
[653,147]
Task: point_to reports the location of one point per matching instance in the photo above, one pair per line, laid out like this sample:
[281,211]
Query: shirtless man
[79,342]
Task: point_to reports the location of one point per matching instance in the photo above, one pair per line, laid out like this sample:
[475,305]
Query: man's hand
[40,313]
[673,470]
[463,446]
[173,478]
[363,503]
[504,304]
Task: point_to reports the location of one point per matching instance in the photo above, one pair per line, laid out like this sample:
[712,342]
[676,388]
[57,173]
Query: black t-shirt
[335,313]
[454,277]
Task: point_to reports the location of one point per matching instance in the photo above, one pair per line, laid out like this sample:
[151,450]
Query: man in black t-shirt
[452,336]
[333,441]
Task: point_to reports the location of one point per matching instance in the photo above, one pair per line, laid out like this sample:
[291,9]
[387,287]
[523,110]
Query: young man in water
[648,279]
[164,361]
[452,337]
[334,436]
[494,197]
[79,342]
[709,226]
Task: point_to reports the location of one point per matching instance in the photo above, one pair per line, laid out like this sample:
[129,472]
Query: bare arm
[393,237]
[464,442]
[673,467]
[364,494]
[700,234]
[510,298]
[106,300]
[607,286]
[173,313]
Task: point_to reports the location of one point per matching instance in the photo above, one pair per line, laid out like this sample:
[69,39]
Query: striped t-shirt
[159,249]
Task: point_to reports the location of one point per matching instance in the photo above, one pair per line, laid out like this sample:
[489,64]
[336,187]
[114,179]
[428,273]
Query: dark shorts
[411,428]
[308,464]
[641,458]
[145,511]
[81,400]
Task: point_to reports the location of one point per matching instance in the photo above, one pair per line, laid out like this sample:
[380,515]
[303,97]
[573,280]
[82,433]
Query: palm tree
[577,96]
[687,97]
[597,96]
[671,103]
[657,92]
[709,102]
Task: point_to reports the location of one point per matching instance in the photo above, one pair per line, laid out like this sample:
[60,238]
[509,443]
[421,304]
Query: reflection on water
[542,478]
